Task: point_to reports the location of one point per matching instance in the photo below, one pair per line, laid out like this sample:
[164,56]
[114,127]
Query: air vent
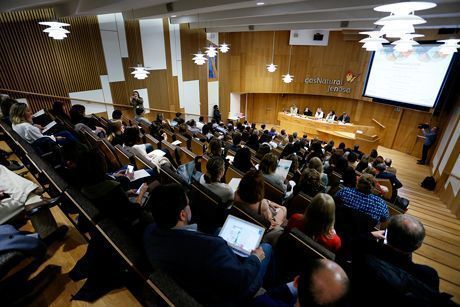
[169,7]
[344,24]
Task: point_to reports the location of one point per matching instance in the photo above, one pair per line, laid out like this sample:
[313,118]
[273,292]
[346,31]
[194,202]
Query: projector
[318,37]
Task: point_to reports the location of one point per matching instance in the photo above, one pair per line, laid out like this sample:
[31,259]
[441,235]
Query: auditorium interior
[306,152]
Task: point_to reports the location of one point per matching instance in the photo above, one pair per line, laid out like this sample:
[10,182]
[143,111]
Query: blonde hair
[320,216]
[17,113]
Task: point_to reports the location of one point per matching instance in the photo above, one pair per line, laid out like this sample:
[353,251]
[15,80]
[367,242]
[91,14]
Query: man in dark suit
[204,265]
[344,118]
[383,174]
[384,272]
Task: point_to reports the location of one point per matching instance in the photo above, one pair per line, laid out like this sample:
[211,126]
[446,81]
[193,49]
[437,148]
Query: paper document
[140,174]
[234,183]
[49,126]
[39,113]
[156,153]
[230,158]
[175,143]
[283,168]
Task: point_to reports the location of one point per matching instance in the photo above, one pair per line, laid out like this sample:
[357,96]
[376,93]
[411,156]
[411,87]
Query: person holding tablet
[203,265]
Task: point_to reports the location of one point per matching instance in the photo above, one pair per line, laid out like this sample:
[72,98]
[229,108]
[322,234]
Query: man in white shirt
[293,109]
[200,123]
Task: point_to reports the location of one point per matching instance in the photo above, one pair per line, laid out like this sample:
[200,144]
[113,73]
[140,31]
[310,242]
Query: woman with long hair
[318,222]
[215,170]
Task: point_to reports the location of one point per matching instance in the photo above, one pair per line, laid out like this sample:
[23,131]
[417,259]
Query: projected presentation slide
[414,77]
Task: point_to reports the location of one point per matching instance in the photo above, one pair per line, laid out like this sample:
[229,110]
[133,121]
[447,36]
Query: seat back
[386,183]
[232,172]
[123,156]
[298,204]
[109,152]
[208,209]
[152,141]
[184,141]
[186,155]
[273,193]
[197,146]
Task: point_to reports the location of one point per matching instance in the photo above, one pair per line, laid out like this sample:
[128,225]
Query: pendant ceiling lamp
[287,78]
[402,18]
[406,42]
[272,67]
[140,72]
[211,51]
[374,41]
[199,58]
[449,46]
[224,47]
[55,29]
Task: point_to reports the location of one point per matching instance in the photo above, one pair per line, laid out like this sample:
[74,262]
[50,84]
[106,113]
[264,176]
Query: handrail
[378,123]
[93,101]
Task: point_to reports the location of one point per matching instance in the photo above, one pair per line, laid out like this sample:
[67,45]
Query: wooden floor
[441,248]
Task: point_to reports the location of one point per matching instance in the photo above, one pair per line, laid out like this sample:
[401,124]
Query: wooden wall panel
[406,136]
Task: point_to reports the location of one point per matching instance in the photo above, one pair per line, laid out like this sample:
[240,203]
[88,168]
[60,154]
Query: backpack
[429,183]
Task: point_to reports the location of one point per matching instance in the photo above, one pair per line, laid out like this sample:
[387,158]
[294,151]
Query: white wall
[113,44]
[454,182]
[213,97]
[191,98]
[153,43]
[235,99]
[95,95]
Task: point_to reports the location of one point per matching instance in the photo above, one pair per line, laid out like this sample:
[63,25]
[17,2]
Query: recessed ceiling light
[172,16]
[260,3]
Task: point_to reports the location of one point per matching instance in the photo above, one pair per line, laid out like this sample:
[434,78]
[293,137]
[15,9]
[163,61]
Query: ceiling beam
[451,22]
[190,7]
[441,11]
[312,6]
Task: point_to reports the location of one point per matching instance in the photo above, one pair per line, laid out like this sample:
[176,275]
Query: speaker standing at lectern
[430,138]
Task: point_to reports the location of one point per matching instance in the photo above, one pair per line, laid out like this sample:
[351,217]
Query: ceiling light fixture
[374,41]
[449,46]
[260,3]
[224,47]
[406,42]
[140,72]
[199,58]
[402,19]
[55,29]
[272,67]
[211,51]
[287,78]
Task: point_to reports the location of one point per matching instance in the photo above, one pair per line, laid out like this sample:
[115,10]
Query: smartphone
[130,169]
[385,235]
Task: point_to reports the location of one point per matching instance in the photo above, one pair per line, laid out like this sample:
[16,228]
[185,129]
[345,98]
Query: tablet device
[242,236]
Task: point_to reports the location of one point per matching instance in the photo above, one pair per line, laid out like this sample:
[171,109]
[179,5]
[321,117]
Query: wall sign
[334,85]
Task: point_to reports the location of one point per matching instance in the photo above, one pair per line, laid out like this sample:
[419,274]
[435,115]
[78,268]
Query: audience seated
[79,120]
[18,196]
[361,199]
[357,152]
[349,177]
[204,265]
[383,174]
[268,167]
[316,164]
[21,117]
[390,169]
[385,273]
[322,283]
[363,164]
[140,117]
[115,132]
[310,183]
[318,222]
[242,160]
[6,104]
[58,111]
[251,192]
[215,170]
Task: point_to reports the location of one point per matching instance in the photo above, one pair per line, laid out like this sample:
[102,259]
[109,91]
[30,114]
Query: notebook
[242,236]
[234,183]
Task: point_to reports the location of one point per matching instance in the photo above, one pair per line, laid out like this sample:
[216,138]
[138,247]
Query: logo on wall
[350,76]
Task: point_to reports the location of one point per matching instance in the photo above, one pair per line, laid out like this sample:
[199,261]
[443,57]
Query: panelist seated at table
[330,117]
[293,109]
[344,118]
[307,112]
[319,113]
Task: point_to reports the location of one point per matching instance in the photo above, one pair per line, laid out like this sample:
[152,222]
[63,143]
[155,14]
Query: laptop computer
[242,236]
